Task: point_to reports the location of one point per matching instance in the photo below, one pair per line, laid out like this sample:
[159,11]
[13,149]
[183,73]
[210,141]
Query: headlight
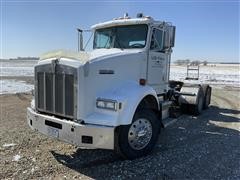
[107,104]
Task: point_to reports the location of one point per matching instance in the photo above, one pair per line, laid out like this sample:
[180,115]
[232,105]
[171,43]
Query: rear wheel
[197,109]
[207,98]
[138,139]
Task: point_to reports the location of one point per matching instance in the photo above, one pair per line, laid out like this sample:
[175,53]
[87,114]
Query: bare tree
[195,63]
[181,62]
[205,63]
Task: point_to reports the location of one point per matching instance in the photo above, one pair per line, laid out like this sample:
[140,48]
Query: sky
[205,30]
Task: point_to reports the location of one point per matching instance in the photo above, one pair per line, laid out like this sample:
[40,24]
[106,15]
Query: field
[204,147]
[16,76]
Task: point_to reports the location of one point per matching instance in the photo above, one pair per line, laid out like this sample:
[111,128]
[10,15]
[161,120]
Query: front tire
[139,138]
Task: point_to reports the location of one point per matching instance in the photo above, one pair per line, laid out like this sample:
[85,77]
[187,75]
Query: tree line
[181,62]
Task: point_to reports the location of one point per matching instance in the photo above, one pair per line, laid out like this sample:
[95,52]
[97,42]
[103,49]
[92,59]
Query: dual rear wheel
[202,102]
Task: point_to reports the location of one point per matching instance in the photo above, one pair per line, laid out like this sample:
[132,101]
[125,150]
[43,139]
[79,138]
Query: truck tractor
[117,96]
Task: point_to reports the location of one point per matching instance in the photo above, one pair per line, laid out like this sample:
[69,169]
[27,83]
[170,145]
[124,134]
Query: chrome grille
[40,95]
[49,91]
[59,93]
[69,90]
[55,91]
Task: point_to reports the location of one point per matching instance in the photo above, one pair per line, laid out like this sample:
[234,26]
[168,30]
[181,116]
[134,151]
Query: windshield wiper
[117,40]
[118,43]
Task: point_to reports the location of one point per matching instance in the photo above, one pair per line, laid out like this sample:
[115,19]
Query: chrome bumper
[90,136]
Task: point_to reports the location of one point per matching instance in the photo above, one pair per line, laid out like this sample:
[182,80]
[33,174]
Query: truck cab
[111,97]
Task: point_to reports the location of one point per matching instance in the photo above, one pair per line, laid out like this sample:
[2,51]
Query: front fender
[130,95]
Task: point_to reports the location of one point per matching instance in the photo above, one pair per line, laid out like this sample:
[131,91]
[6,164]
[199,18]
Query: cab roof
[125,21]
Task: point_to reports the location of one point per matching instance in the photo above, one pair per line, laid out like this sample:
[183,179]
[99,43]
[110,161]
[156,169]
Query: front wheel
[138,139]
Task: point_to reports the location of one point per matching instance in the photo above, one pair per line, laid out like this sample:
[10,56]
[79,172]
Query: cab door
[158,62]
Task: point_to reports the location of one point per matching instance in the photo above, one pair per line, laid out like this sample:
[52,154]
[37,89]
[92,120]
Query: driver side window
[157,40]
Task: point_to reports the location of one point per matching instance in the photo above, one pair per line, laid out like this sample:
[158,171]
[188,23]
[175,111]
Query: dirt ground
[204,147]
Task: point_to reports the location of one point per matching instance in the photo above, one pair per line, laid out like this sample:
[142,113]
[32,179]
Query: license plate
[53,132]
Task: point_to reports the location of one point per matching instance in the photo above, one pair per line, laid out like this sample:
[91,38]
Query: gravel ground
[204,147]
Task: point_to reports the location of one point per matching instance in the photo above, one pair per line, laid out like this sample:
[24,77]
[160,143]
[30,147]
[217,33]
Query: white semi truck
[118,95]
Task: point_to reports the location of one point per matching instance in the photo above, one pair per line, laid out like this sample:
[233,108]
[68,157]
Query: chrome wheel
[140,134]
[139,138]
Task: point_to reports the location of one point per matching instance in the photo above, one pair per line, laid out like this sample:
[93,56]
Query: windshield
[123,37]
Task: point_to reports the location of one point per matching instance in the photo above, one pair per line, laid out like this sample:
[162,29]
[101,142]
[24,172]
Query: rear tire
[197,109]
[185,108]
[207,98]
[139,138]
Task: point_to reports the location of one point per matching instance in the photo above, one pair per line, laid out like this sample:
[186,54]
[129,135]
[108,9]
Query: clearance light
[107,104]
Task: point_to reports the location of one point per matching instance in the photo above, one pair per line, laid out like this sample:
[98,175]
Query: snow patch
[17,68]
[9,145]
[16,71]
[32,170]
[217,75]
[16,157]
[12,87]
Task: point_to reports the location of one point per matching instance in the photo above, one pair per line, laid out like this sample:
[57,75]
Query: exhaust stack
[80,39]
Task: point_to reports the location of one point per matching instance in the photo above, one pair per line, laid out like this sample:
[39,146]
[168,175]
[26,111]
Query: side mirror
[172,30]
[169,37]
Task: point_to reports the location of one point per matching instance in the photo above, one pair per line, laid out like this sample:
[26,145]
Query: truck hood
[84,57]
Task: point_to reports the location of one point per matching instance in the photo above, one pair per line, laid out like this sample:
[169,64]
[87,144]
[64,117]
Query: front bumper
[90,136]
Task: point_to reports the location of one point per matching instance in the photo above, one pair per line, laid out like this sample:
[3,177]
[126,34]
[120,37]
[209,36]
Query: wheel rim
[140,134]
